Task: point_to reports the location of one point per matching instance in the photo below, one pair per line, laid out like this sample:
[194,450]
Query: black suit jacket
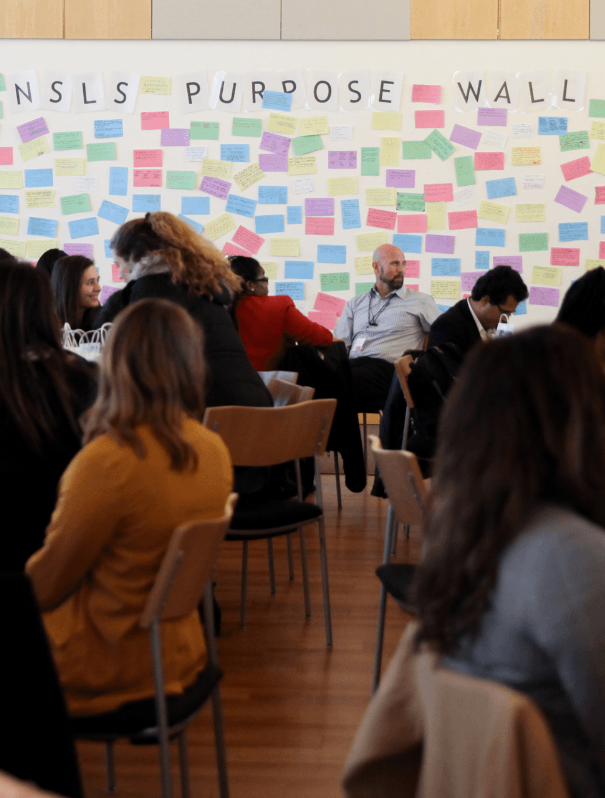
[455,326]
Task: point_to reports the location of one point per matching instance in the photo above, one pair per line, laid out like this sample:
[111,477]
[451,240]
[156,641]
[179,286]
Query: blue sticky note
[108,250]
[241,205]
[192,223]
[235,152]
[443,308]
[445,267]
[521,308]
[273,195]
[118,181]
[299,270]
[481,259]
[505,187]
[408,242]
[293,290]
[331,253]
[277,100]
[351,217]
[552,126]
[489,237]
[294,214]
[146,203]
[196,206]
[602,224]
[9,203]
[269,224]
[573,231]
[108,128]
[112,212]
[84,227]
[42,227]
[38,178]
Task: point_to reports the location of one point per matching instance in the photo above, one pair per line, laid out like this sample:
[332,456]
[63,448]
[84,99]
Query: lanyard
[373,320]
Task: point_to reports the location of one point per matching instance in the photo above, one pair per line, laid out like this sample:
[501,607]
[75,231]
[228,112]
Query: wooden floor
[291,706]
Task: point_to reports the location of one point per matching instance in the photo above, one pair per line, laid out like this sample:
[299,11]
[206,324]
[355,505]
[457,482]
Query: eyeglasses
[261,280]
[504,312]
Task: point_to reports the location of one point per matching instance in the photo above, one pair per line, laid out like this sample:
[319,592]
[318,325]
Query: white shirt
[480,327]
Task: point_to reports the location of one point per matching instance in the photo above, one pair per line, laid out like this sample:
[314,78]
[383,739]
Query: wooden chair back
[403,482]
[289,393]
[403,370]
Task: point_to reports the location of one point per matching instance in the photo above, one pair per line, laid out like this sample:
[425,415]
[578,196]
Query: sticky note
[112,212]
[597,131]
[415,150]
[596,108]
[147,203]
[242,206]
[493,140]
[220,226]
[32,130]
[35,178]
[152,84]
[489,237]
[439,243]
[319,206]
[105,151]
[408,243]
[197,206]
[564,256]
[34,148]
[401,178]
[270,268]
[571,199]
[481,259]
[175,137]
[302,165]
[468,280]
[368,242]
[302,145]
[387,120]
[272,162]
[533,242]
[341,132]
[336,281]
[337,186]
[424,93]
[576,168]
[147,178]
[465,170]
[573,231]
[489,160]
[370,161]
[295,290]
[389,151]
[16,248]
[108,128]
[302,185]
[363,265]
[574,141]
[503,187]
[277,100]
[154,120]
[247,239]
[526,156]
[281,123]
[546,275]
[80,228]
[351,218]
[294,214]
[37,248]
[249,176]
[147,158]
[41,227]
[14,179]
[273,223]
[514,261]
[465,136]
[78,249]
[409,201]
[445,267]
[440,145]
[273,195]
[435,215]
[6,156]
[298,269]
[438,192]
[285,247]
[9,226]
[530,212]
[75,203]
[492,116]
[532,181]
[316,125]
[412,223]
[9,203]
[363,288]
[430,119]
[494,212]
[445,289]
[379,218]
[319,225]
[182,180]
[342,159]
[598,162]
[593,263]
[247,127]
[203,131]
[235,152]
[118,181]
[462,220]
[272,142]
[552,126]
[216,187]
[381,196]
[331,253]
[544,296]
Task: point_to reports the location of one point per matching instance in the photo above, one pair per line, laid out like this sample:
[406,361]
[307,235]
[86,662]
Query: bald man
[378,327]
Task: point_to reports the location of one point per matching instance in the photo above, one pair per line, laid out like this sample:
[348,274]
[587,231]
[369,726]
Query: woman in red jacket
[269,324]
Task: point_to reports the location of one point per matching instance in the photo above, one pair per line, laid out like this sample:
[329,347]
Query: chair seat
[397,577]
[262,514]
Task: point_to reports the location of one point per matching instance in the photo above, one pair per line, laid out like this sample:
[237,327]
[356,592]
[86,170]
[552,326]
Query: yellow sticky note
[317,125]
[69,166]
[270,268]
[435,216]
[546,275]
[526,156]
[368,242]
[445,289]
[37,247]
[16,248]
[285,247]
[530,212]
[302,165]
[9,225]
[11,179]
[282,123]
[493,212]
[337,186]
[593,263]
[249,176]
[363,264]
[155,85]
[381,196]
[387,120]
[34,148]
[220,226]
[597,131]
[389,151]
[598,162]
[213,168]
[40,198]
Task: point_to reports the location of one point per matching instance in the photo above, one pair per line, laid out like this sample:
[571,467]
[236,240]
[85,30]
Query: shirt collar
[480,327]
[400,292]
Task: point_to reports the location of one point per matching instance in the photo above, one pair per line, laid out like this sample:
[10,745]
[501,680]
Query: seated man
[495,294]
[378,327]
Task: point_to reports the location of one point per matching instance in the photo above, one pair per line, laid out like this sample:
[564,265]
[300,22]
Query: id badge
[359,344]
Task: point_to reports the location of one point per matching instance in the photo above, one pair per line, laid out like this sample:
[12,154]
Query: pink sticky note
[422,93]
[78,249]
[564,256]
[146,158]
[489,160]
[273,142]
[492,116]
[115,274]
[327,320]
[601,249]
[401,178]
[514,261]
[465,136]
[412,268]
[411,223]
[6,156]
[231,249]
[273,163]
[439,243]
[319,225]
[599,194]
[215,186]
[106,292]
[154,120]
[32,130]
[143,178]
[468,280]
[571,199]
[462,220]
[379,218]
[329,304]
[342,159]
[438,192]
[319,207]
[429,119]
[247,239]
[576,168]
[538,295]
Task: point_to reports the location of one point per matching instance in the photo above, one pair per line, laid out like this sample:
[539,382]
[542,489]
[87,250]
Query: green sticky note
[206,131]
[68,141]
[1,112]
[440,145]
[104,151]
[415,149]
[370,161]
[465,171]
[2,83]
[246,127]
[533,242]
[596,108]
[575,141]
[335,281]
[362,288]
[75,203]
[410,202]
[304,144]
[180,180]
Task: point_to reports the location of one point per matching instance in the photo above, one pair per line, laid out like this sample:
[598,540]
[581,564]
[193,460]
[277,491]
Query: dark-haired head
[47,260]
[497,293]
[254,281]
[6,257]
[69,278]
[583,305]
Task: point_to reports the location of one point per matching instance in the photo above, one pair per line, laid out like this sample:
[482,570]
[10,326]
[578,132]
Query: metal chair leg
[324,580]
[290,558]
[242,608]
[382,602]
[394,538]
[271,566]
[365,443]
[305,571]
[161,709]
[184,765]
[111,766]
[219,740]
[406,531]
[337,475]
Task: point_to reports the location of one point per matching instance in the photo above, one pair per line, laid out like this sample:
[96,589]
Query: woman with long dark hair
[75,281]
[512,584]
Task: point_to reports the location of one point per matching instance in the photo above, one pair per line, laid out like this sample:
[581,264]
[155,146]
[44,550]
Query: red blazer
[267,324]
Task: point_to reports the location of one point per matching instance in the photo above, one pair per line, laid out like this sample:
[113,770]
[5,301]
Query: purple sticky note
[468,280]
[273,163]
[272,142]
[514,261]
[436,243]
[538,295]
[401,178]
[465,136]
[346,159]
[492,116]
[32,130]
[571,199]
[175,137]
[106,292]
[215,186]
[78,249]
[319,207]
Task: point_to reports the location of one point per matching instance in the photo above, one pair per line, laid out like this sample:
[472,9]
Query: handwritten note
[319,226]
[526,156]
[249,176]
[281,123]
[337,186]
[220,226]
[381,196]
[489,160]
[249,240]
[465,136]
[530,212]
[577,168]
[571,199]
[428,119]
[285,247]
[439,243]
[564,256]
[533,242]
[387,120]
[462,220]
[368,242]
[465,171]
[378,218]
[438,192]
[440,145]
[412,223]
[494,212]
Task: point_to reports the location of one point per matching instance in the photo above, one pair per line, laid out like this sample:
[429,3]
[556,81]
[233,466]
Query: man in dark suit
[495,294]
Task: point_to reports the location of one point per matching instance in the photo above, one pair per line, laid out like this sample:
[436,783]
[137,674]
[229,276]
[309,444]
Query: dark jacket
[455,326]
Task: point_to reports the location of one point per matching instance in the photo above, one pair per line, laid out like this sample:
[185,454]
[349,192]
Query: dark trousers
[372,379]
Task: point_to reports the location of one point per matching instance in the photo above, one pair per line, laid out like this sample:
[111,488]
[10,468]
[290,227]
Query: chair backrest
[403,370]
[190,555]
[286,376]
[403,482]
[289,393]
[264,436]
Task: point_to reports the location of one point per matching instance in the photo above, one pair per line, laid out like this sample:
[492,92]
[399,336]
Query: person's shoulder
[204,438]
